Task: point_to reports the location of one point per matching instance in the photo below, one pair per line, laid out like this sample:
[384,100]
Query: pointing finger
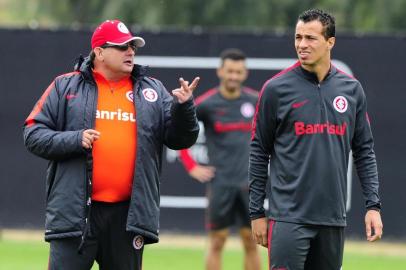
[183,84]
[194,83]
[92,132]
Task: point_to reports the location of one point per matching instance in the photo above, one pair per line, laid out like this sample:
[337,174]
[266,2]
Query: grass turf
[30,254]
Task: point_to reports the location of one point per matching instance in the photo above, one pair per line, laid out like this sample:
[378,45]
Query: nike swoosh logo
[70,96]
[299,104]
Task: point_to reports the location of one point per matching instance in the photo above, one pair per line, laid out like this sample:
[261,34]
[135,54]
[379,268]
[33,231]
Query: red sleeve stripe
[368,119]
[30,121]
[346,74]
[205,96]
[188,162]
[295,65]
[68,74]
[254,121]
[250,91]
[270,229]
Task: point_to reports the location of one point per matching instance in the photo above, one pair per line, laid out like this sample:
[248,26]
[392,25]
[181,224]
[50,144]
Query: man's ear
[98,52]
[331,41]
[220,72]
[246,73]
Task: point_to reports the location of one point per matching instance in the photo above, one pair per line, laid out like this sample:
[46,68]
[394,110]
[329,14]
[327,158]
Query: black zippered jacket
[306,130]
[54,130]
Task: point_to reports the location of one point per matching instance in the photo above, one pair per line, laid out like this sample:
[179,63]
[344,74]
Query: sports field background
[21,250]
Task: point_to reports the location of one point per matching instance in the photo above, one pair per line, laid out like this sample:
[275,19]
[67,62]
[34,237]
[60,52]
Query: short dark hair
[233,54]
[326,19]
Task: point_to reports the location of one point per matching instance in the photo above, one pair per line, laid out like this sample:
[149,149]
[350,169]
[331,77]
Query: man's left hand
[184,93]
[373,224]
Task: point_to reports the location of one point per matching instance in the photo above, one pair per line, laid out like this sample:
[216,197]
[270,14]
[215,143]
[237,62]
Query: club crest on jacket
[150,94]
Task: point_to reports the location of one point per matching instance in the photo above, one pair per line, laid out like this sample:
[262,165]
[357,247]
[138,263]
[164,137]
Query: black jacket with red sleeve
[54,131]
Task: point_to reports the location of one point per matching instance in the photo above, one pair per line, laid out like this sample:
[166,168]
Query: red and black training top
[306,130]
[227,125]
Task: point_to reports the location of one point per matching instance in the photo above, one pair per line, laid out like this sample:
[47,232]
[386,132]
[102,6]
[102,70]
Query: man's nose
[130,51]
[303,43]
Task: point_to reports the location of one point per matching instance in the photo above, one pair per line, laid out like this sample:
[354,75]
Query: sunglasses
[122,48]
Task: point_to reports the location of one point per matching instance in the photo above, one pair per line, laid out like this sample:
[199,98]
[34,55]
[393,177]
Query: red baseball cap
[114,32]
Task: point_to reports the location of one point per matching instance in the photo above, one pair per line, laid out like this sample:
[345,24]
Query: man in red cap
[102,128]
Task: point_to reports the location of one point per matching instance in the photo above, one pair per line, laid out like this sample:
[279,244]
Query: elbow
[187,143]
[28,142]
[183,141]
[191,140]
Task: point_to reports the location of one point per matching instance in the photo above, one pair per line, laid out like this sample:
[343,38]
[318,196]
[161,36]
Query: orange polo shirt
[114,152]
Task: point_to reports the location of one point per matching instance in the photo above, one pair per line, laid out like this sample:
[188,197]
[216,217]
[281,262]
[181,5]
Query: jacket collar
[313,77]
[84,65]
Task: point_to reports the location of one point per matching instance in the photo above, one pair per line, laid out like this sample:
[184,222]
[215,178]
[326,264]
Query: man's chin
[306,62]
[233,88]
[128,69]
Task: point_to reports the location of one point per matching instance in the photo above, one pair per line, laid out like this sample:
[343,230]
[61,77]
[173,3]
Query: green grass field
[183,252]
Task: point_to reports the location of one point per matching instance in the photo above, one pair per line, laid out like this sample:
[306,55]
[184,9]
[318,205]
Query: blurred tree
[352,15]
[397,18]
[375,15]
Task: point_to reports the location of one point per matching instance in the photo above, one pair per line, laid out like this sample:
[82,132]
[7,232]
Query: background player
[226,112]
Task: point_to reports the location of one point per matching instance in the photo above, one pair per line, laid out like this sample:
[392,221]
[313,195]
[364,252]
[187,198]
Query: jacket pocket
[66,193]
[50,178]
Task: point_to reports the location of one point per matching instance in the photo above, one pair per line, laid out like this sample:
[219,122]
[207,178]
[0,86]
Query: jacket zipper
[320,97]
[136,85]
[88,200]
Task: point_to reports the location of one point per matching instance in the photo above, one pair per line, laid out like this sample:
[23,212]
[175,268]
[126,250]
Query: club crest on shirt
[150,94]
[340,104]
[247,110]
[138,242]
[130,96]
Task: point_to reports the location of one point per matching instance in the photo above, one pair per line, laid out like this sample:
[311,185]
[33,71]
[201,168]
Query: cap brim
[139,41]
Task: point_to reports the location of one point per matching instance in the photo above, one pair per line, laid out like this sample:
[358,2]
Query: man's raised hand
[185,91]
